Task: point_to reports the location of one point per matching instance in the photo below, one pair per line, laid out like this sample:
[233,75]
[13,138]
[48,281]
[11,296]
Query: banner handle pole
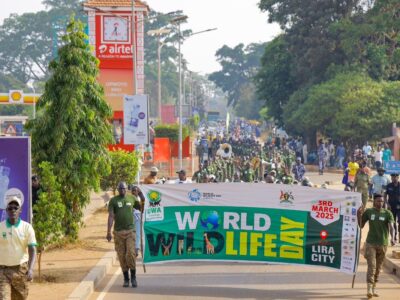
[358,258]
[141,239]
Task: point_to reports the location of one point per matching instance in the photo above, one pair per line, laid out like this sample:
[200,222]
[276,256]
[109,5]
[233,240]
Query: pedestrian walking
[332,152]
[182,177]
[361,184]
[386,154]
[120,213]
[305,153]
[378,157]
[379,182]
[340,154]
[392,198]
[353,167]
[380,224]
[152,177]
[298,170]
[322,156]
[137,216]
[17,252]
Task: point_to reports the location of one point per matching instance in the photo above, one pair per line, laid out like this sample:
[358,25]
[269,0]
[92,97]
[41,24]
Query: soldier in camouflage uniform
[120,210]
[248,173]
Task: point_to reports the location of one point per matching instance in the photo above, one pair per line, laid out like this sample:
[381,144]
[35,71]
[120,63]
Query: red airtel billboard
[114,41]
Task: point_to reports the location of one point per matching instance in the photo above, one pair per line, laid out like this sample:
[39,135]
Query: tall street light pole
[158,33]
[134,79]
[178,21]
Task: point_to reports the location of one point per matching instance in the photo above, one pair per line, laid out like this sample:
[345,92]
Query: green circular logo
[154,197]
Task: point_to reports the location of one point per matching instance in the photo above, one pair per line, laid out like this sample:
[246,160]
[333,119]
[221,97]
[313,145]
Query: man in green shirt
[380,224]
[120,212]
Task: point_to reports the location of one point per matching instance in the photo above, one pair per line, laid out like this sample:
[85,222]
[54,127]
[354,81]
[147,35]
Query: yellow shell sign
[16,96]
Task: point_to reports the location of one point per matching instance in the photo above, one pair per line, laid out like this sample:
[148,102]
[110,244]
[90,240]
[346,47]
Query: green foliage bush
[171,131]
[124,167]
[49,211]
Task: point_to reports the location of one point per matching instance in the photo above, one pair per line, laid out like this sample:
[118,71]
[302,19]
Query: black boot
[126,279]
[133,278]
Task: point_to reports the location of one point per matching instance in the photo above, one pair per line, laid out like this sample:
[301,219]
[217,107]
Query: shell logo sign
[18,97]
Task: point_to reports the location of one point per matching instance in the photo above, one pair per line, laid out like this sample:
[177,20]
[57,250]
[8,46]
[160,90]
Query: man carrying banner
[120,209]
[380,224]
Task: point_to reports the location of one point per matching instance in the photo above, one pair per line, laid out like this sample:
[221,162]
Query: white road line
[110,284]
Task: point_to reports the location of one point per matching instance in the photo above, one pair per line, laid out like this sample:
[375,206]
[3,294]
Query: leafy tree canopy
[350,107]
[238,66]
[72,129]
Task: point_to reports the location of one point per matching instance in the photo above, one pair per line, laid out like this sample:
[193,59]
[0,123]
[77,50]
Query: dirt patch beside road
[63,269]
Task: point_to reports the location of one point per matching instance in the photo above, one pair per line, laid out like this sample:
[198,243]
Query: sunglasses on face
[10,208]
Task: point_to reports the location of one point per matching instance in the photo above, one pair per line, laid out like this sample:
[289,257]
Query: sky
[238,21]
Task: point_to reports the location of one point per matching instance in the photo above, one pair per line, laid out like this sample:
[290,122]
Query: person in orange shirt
[152,178]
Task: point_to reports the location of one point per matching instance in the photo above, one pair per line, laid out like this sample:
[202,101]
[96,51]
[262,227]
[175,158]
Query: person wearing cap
[380,224]
[197,175]
[182,177]
[392,197]
[152,178]
[298,170]
[379,182]
[17,252]
[120,213]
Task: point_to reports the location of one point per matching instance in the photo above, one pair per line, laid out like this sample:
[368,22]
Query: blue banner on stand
[392,167]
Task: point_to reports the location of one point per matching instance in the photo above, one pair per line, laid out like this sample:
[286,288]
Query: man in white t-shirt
[378,157]
[367,149]
[17,252]
[182,177]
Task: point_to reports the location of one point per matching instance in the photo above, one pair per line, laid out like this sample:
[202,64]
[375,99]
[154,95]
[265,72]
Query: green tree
[124,167]
[171,131]
[64,4]
[275,81]
[26,46]
[307,27]
[248,105]
[239,66]
[350,107]
[72,128]
[48,211]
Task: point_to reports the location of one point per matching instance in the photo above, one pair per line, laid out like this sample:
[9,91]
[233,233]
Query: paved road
[245,281]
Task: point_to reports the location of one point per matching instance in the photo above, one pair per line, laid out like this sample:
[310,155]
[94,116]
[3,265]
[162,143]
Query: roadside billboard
[136,120]
[15,173]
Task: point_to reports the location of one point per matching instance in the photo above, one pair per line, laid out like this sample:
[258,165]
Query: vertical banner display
[15,173]
[252,222]
[136,121]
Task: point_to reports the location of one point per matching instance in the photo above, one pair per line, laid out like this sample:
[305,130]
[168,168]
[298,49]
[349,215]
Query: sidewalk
[63,269]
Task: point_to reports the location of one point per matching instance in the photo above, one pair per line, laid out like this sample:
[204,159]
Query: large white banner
[136,118]
[252,222]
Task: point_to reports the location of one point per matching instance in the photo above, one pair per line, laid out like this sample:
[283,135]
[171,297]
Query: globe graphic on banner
[209,220]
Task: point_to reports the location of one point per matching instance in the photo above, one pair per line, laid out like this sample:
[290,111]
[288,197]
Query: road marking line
[110,284]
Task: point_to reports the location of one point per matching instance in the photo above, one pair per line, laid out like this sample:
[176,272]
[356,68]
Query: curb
[91,280]
[392,266]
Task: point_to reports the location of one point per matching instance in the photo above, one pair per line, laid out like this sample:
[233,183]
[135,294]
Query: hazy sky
[238,21]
